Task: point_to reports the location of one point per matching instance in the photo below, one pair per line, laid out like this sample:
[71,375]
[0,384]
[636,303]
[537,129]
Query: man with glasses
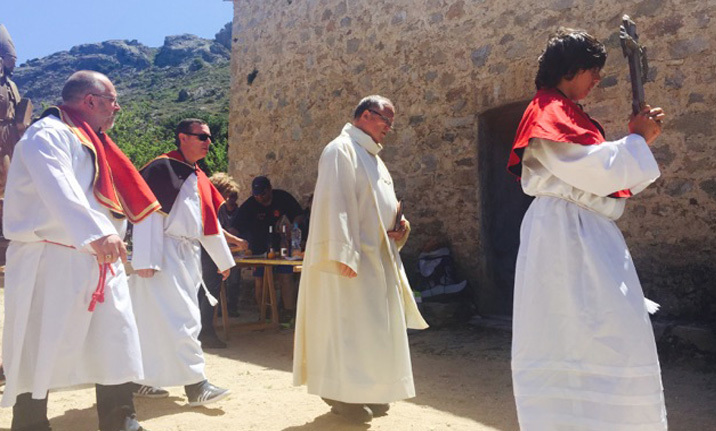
[263,209]
[167,260]
[354,301]
[69,320]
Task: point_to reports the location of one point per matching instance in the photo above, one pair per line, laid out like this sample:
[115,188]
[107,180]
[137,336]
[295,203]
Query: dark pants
[212,280]
[114,404]
[29,414]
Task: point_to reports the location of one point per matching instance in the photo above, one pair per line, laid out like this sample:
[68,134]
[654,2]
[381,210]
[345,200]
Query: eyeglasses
[200,136]
[388,122]
[112,99]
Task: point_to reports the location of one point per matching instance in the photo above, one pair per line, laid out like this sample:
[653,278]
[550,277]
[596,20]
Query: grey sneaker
[144,391]
[378,409]
[356,413]
[204,393]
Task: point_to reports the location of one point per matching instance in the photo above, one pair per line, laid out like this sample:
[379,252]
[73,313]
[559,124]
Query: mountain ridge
[187,76]
[140,73]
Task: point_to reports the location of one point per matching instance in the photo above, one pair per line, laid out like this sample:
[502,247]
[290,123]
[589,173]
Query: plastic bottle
[284,242]
[270,252]
[295,240]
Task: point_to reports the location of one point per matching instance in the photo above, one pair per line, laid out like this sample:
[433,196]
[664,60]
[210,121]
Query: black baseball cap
[259,185]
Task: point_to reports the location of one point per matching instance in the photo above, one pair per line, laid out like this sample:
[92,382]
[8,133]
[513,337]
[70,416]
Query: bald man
[68,316]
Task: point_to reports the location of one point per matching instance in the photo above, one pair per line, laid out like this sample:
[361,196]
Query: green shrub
[142,136]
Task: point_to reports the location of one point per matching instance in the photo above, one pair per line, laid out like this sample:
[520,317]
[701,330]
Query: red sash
[210,198]
[554,117]
[117,184]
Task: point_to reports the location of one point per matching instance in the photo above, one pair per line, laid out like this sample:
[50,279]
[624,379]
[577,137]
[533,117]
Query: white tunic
[50,339]
[166,304]
[351,342]
[583,351]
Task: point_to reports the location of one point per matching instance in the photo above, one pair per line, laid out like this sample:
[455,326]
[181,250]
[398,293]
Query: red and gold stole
[117,183]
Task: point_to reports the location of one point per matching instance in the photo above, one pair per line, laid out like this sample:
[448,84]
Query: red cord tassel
[98,294]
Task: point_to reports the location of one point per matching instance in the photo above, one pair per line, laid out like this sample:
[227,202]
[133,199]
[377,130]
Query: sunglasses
[200,136]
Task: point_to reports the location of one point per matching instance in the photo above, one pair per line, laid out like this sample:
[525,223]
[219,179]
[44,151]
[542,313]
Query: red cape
[117,184]
[554,117]
[166,174]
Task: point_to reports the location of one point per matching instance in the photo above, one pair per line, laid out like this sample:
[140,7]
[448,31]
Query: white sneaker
[205,393]
[144,391]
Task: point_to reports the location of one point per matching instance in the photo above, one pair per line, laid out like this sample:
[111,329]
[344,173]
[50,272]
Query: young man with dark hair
[583,351]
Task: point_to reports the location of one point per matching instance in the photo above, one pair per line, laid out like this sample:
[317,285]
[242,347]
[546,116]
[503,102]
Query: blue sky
[42,27]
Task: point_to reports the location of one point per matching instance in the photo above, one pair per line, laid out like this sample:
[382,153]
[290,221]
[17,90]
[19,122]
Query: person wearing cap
[68,316]
[166,258]
[354,302]
[264,208]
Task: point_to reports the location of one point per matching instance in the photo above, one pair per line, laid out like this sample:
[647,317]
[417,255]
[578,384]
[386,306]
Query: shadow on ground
[86,419]
[329,422]
[450,367]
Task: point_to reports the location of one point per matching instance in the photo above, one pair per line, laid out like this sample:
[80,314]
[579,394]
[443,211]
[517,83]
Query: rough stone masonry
[459,72]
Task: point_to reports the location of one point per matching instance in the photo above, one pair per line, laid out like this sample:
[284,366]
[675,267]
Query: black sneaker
[144,391]
[356,413]
[287,318]
[379,409]
[204,393]
[211,342]
[2,376]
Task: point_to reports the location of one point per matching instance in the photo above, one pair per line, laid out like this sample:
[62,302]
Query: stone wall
[300,66]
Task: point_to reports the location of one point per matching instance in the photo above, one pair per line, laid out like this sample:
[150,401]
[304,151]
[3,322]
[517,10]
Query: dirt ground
[462,378]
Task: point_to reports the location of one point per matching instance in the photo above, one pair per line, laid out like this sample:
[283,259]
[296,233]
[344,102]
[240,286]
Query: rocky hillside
[186,73]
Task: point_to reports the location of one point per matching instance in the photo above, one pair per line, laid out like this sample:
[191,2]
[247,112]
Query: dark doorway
[503,206]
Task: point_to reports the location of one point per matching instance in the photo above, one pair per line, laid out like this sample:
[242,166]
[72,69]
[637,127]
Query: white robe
[50,339]
[351,343]
[583,351]
[166,304]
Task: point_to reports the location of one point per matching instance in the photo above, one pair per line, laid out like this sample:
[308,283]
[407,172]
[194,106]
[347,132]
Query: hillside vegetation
[186,77]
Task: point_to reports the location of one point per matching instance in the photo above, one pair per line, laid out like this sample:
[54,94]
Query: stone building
[460,73]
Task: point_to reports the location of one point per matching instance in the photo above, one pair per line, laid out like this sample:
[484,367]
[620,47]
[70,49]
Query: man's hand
[239,243]
[108,248]
[346,270]
[225,273]
[397,235]
[647,123]
[146,273]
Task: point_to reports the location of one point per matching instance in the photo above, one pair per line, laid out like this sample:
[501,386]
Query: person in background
[583,350]
[228,188]
[263,209]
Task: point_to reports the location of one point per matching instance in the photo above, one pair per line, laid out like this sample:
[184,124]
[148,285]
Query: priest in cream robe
[68,316]
[583,350]
[167,259]
[355,304]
